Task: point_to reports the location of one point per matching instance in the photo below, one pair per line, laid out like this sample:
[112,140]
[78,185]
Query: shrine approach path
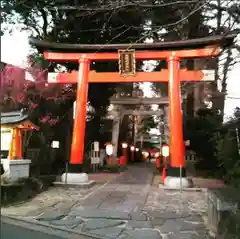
[128,206]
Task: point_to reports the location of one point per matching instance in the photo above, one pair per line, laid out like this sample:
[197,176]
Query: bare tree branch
[117,5]
[233,11]
[237,47]
[45,21]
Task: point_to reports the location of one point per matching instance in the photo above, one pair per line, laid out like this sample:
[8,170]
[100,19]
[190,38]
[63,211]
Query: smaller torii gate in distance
[118,113]
[173,52]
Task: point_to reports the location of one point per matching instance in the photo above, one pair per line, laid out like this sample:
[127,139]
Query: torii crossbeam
[115,77]
[173,52]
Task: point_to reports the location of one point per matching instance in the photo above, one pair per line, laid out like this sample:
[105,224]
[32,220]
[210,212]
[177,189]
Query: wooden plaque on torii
[127,62]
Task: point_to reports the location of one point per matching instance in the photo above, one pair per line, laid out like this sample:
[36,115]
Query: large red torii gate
[173,52]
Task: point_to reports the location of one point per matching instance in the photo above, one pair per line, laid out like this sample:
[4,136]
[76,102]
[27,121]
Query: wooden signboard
[6,139]
[127,62]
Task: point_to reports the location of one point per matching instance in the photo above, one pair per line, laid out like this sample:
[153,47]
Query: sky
[15,48]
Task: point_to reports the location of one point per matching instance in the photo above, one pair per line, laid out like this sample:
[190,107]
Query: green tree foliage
[217,145]
[200,131]
[236,113]
[228,157]
[222,17]
[228,150]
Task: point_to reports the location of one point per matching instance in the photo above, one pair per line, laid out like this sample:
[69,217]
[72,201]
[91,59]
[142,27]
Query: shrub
[228,158]
[24,189]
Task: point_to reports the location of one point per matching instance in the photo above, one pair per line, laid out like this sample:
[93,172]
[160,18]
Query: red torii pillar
[78,137]
[177,157]
[175,112]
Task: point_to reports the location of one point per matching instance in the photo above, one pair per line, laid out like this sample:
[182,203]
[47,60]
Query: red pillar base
[75,168]
[132,156]
[119,162]
[110,160]
[172,178]
[175,171]
[158,163]
[163,175]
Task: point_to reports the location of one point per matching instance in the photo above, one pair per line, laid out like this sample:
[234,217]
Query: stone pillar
[197,97]
[166,124]
[115,133]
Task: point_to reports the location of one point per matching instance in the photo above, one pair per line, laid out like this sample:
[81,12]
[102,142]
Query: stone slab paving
[127,207]
[55,198]
[177,214]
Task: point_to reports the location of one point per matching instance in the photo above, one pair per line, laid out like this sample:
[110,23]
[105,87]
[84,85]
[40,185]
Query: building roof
[17,119]
[13,117]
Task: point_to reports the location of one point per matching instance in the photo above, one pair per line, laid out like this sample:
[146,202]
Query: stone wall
[229,226]
[15,169]
[224,213]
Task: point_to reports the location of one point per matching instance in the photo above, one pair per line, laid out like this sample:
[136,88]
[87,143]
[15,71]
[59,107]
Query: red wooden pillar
[158,162]
[77,150]
[124,153]
[175,114]
[125,156]
[132,152]
[18,143]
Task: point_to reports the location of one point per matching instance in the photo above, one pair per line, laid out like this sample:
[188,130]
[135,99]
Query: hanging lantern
[109,149]
[165,150]
[132,148]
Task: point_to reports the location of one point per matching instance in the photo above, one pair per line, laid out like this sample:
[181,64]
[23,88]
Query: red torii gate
[173,52]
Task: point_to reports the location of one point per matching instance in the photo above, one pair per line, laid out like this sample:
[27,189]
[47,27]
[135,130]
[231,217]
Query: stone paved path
[127,207]
[53,198]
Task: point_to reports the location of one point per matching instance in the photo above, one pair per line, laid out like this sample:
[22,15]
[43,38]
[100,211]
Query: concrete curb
[184,189]
[46,228]
[86,185]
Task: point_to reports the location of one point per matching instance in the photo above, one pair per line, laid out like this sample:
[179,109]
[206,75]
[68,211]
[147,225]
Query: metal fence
[190,156]
[190,162]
